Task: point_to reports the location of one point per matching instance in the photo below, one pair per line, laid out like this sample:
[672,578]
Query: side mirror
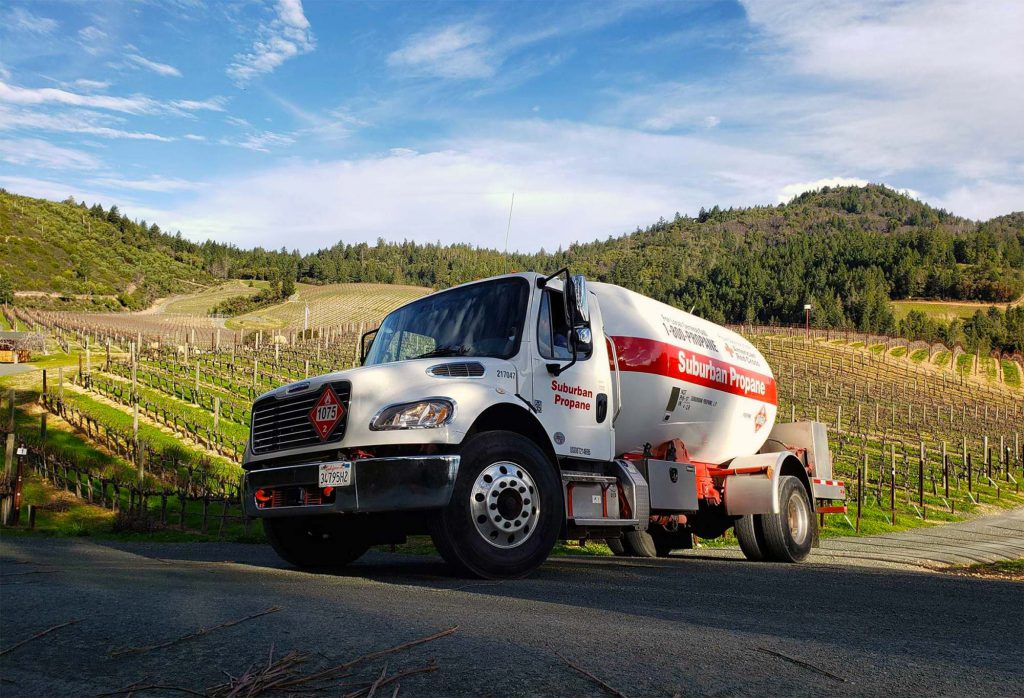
[581,301]
[365,346]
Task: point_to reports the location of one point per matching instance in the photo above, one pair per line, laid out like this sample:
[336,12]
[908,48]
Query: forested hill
[94,258]
[846,250]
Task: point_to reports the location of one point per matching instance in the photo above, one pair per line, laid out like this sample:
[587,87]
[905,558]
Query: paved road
[986,539]
[15,369]
[693,626]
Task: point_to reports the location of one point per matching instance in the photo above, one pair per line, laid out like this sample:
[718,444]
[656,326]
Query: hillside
[330,305]
[847,251]
[88,256]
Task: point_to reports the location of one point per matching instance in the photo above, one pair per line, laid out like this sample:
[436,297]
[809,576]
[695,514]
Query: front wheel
[316,542]
[506,511]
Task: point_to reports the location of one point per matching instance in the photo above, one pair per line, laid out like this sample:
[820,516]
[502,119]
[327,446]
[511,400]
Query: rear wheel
[316,542]
[506,510]
[751,537]
[789,534]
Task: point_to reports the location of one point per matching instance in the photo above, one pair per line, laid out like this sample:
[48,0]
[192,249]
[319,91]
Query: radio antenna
[509,229]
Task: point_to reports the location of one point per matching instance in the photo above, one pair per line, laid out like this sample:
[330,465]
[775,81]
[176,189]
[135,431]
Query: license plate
[335,474]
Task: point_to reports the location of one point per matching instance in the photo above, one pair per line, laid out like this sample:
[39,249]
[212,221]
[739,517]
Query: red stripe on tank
[644,355]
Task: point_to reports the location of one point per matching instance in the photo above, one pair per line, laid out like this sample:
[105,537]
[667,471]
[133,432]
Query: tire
[654,542]
[751,537]
[506,510]
[789,534]
[616,546]
[316,542]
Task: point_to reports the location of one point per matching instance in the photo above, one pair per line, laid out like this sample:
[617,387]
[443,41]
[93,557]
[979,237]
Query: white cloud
[136,104]
[211,104]
[261,141]
[87,84]
[32,152]
[572,182]
[92,39]
[158,68]
[921,83]
[194,137]
[286,36]
[796,189]
[982,200]
[711,121]
[75,121]
[4,73]
[21,19]
[456,51]
[155,183]
[792,190]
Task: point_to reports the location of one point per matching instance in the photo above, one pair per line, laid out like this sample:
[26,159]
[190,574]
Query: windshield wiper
[444,351]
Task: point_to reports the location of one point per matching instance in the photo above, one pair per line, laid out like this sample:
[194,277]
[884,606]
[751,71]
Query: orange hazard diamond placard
[326,413]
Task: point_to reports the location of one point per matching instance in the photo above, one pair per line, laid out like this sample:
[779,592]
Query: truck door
[575,406]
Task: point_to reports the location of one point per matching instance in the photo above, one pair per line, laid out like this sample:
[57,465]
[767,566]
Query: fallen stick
[191,636]
[39,635]
[395,677]
[137,686]
[327,673]
[614,691]
[376,684]
[18,574]
[800,662]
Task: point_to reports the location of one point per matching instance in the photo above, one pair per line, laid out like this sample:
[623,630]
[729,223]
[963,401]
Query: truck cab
[483,415]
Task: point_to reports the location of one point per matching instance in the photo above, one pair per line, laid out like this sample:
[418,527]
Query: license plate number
[335,474]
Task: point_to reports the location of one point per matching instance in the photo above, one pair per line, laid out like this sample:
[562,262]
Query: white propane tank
[687,378]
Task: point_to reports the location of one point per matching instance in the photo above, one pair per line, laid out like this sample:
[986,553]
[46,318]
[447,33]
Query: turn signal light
[327,491]
[262,495]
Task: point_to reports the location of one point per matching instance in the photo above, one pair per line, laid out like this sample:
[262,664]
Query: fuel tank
[684,377]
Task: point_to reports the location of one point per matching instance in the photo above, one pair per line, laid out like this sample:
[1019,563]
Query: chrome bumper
[378,484]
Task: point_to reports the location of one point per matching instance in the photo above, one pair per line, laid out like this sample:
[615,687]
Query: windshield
[484,319]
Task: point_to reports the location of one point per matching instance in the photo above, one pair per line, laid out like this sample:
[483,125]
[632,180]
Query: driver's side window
[553,335]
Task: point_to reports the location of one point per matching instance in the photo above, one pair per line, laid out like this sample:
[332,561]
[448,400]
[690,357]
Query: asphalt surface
[985,539]
[687,625]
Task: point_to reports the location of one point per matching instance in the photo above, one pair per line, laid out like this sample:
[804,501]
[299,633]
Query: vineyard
[920,433]
[330,305]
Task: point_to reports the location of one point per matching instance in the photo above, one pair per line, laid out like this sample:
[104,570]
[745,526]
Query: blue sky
[282,123]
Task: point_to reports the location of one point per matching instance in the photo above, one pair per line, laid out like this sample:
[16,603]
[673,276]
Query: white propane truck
[502,415]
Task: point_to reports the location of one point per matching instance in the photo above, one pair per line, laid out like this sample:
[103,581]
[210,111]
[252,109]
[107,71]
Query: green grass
[201,302]
[988,368]
[1002,569]
[897,352]
[57,247]
[877,348]
[332,304]
[964,363]
[941,358]
[941,310]
[919,355]
[1011,373]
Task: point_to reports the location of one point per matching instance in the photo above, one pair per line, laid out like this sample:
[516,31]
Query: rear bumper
[378,484]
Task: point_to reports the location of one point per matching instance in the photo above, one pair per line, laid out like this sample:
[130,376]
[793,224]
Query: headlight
[425,414]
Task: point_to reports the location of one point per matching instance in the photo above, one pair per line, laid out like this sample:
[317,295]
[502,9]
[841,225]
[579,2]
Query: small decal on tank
[760,420]
[559,438]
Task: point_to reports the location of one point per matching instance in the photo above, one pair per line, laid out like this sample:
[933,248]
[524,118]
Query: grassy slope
[332,304]
[46,246]
[942,310]
[201,302]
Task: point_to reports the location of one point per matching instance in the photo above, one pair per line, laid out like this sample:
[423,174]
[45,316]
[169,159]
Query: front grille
[458,369]
[283,423]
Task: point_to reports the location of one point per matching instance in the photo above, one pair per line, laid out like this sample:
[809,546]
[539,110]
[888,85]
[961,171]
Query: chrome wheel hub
[504,504]
[797,517]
